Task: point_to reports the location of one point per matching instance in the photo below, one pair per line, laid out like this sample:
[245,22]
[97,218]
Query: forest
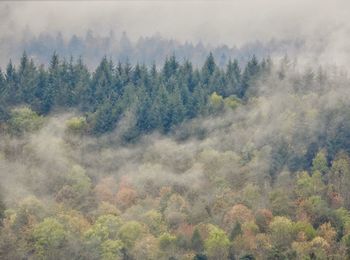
[135,161]
[151,99]
[149,50]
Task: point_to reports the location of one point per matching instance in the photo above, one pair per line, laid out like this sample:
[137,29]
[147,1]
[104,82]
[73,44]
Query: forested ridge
[158,99]
[148,50]
[174,162]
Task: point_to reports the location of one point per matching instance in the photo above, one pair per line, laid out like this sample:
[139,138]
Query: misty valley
[135,162]
[172,150]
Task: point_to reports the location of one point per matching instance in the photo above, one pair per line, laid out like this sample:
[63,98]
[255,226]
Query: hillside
[135,162]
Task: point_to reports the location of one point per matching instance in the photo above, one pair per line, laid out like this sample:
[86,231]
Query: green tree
[106,227]
[309,185]
[27,79]
[76,125]
[197,241]
[249,76]
[208,69]
[340,176]
[101,90]
[217,244]
[112,250]
[319,163]
[105,118]
[12,92]
[54,82]
[167,244]
[346,241]
[153,219]
[233,78]
[2,208]
[43,100]
[216,102]
[236,231]
[170,67]
[282,232]
[24,120]
[130,232]
[49,238]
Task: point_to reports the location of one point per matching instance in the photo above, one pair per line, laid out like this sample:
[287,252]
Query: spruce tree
[197,243]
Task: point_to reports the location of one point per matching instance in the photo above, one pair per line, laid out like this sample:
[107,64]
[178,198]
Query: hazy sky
[229,22]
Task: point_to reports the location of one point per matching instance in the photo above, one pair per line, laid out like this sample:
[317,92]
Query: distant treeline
[147,50]
[155,99]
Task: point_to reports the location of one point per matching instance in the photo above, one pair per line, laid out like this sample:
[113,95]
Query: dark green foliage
[236,231]
[200,257]
[233,78]
[231,253]
[197,241]
[208,68]
[4,114]
[337,131]
[11,92]
[304,189]
[276,254]
[104,119]
[347,245]
[156,100]
[27,79]
[279,157]
[249,75]
[2,209]
[247,257]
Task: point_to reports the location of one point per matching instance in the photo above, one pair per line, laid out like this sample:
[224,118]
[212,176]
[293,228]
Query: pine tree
[208,69]
[2,86]
[27,79]
[12,94]
[197,243]
[105,118]
[54,82]
[170,68]
[233,78]
[43,99]
[250,74]
[2,209]
[236,231]
[101,84]
[82,85]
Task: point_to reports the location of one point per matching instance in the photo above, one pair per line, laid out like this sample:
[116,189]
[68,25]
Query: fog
[323,28]
[248,155]
[229,22]
[235,145]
